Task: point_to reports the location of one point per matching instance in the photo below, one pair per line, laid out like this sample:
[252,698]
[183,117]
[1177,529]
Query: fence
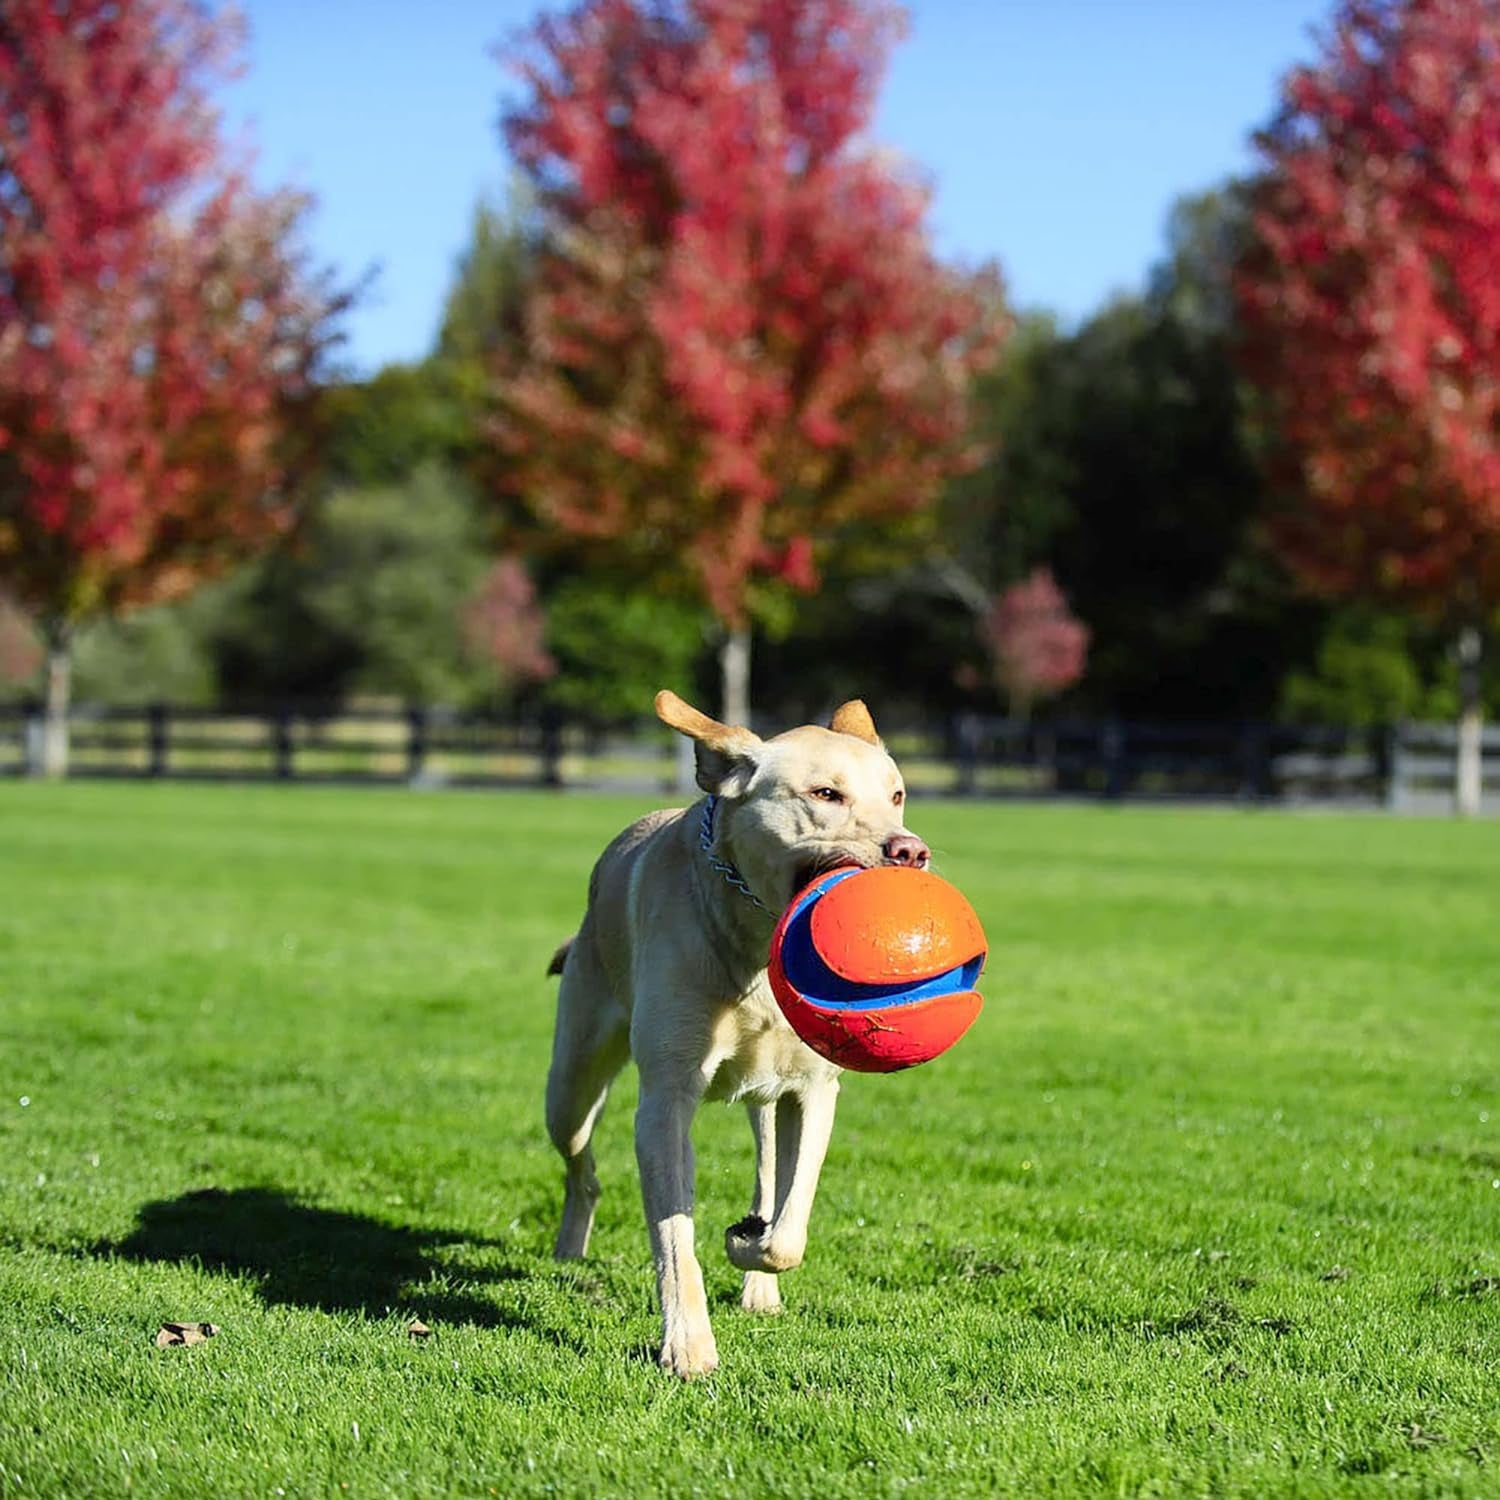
[1407,767]
[419,746]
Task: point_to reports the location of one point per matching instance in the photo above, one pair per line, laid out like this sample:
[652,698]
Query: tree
[1368,671]
[997,522]
[484,312]
[739,339]
[616,646]
[503,624]
[20,653]
[387,589]
[381,430]
[158,322]
[1039,648]
[1372,314]
[1122,461]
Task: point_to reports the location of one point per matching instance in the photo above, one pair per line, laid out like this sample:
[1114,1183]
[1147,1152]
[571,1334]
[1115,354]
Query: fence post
[32,732]
[669,786]
[1395,760]
[1044,759]
[966,736]
[552,748]
[158,739]
[1112,747]
[281,744]
[416,743]
[1255,778]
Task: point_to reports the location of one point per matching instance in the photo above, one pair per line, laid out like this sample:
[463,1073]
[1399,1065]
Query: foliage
[376,597]
[1123,461]
[1207,1210]
[1039,648]
[161,654]
[1375,667]
[1120,455]
[997,522]
[616,645]
[1372,307]
[899,641]
[484,312]
[20,651]
[1364,674]
[381,430]
[738,337]
[502,624]
[159,319]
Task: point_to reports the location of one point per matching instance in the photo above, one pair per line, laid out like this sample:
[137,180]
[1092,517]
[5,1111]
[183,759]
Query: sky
[1055,134]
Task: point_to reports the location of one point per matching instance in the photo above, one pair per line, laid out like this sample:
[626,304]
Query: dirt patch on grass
[1215,1320]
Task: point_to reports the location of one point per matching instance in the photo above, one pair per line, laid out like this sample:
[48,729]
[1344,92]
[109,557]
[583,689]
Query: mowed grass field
[1207,1203]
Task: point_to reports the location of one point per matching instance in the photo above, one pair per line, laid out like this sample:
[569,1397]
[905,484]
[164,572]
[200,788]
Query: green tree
[615,645]
[373,599]
[159,655]
[484,313]
[1124,463]
[381,430]
[1364,673]
[997,523]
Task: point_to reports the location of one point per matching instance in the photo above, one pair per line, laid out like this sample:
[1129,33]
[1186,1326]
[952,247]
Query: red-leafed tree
[739,338]
[1037,644]
[158,322]
[1371,304]
[503,624]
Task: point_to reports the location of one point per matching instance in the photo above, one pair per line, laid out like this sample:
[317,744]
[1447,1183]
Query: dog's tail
[561,956]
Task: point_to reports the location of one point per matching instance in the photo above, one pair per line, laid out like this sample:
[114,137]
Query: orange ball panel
[889,924]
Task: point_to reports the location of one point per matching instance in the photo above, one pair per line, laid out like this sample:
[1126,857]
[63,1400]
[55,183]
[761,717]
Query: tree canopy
[1371,304]
[739,338]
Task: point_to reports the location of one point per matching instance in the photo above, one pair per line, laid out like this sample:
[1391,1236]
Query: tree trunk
[53,758]
[734,668]
[1468,791]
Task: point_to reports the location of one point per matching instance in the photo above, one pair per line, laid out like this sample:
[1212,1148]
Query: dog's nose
[906,849]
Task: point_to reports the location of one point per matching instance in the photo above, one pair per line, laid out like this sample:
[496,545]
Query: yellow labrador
[669,968]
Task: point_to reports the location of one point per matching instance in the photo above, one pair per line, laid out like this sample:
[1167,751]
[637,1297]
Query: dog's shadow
[300,1255]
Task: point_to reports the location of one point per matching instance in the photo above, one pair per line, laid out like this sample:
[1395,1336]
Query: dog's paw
[761,1293]
[751,1245]
[689,1357]
[750,1230]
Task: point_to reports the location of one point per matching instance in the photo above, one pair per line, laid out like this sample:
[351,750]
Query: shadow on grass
[305,1256]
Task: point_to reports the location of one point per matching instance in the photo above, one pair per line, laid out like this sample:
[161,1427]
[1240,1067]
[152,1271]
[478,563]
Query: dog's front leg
[761,1291]
[664,1149]
[804,1123]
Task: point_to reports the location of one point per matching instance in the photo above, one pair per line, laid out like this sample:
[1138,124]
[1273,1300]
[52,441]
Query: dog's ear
[726,754]
[854,718]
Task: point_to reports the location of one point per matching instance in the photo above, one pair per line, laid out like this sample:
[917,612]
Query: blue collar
[730,872]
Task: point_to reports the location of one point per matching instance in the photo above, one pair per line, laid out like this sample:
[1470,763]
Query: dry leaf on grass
[172,1334]
[417,1329]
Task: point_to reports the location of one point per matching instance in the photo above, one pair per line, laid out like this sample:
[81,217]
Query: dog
[669,969]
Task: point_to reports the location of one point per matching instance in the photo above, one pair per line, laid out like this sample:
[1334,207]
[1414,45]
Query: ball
[875,968]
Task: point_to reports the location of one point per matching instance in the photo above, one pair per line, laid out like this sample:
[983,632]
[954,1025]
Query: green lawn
[1208,1202]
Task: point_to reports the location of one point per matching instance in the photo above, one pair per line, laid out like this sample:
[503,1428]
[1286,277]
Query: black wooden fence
[1407,766]
[412,746]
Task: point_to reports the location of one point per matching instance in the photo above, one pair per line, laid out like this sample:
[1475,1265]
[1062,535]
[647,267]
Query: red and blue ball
[875,969]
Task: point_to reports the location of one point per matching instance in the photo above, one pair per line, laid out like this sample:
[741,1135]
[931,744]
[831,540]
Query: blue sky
[1055,133]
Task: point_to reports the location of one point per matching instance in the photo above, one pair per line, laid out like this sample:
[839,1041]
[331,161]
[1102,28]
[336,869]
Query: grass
[1207,1203]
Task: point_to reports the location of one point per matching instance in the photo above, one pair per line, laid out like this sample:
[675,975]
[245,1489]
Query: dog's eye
[826,794]
[898,797]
